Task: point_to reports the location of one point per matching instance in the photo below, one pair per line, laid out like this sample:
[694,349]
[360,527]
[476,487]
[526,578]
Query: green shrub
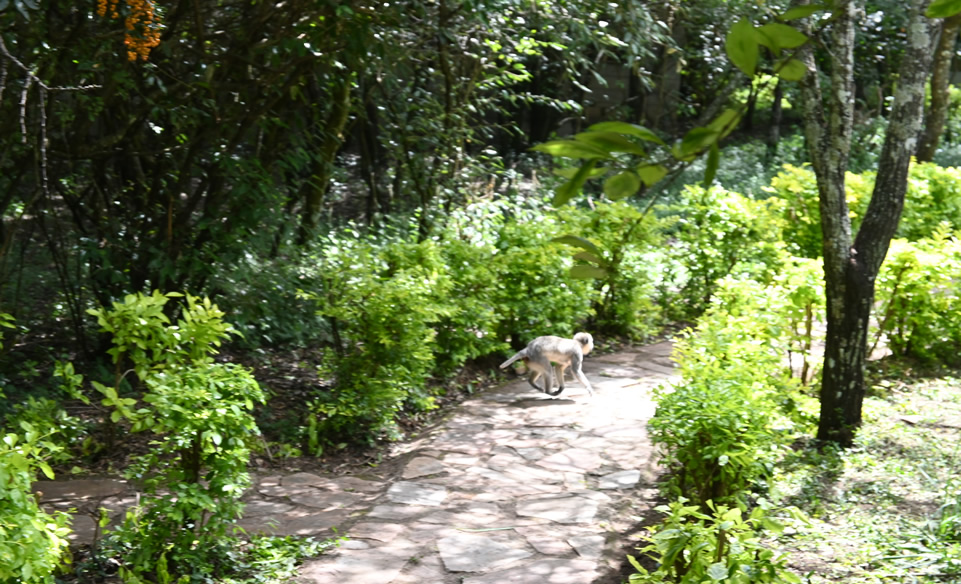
[69,435]
[32,542]
[933,197]
[199,411]
[534,291]
[722,428]
[719,233]
[380,301]
[623,300]
[801,286]
[918,300]
[694,547]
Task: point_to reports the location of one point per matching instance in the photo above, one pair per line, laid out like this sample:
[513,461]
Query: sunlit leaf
[626,128]
[710,171]
[943,8]
[725,123]
[802,11]
[792,70]
[578,242]
[587,256]
[570,172]
[717,571]
[610,142]
[569,189]
[651,173]
[586,272]
[697,140]
[571,149]
[777,36]
[742,47]
[622,185]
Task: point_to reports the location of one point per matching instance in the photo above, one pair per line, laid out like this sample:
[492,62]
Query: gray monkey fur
[540,352]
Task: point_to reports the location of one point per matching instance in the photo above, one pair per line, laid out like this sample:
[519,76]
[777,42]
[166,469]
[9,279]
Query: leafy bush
[196,471]
[32,542]
[719,233]
[69,435]
[933,196]
[380,302]
[919,305]
[691,546]
[534,291]
[614,237]
[722,428]
[801,287]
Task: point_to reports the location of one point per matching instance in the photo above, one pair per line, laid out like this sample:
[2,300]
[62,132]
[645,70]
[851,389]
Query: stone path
[514,487]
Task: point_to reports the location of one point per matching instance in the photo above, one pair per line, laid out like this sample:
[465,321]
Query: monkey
[540,352]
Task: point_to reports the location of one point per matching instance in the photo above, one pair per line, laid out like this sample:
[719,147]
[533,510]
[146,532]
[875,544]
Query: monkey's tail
[522,354]
[552,394]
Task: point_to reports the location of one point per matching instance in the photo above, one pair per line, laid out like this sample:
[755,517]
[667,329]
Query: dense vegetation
[210,186]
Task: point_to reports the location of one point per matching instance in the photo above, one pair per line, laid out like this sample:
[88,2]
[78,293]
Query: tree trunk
[937,115]
[335,123]
[850,268]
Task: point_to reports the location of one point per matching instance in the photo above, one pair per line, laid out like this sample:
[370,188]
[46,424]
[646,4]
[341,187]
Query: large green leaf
[777,36]
[697,140]
[626,128]
[651,173]
[569,189]
[742,47]
[586,272]
[622,185]
[713,158]
[792,70]
[586,256]
[943,8]
[725,123]
[578,242]
[570,172]
[610,142]
[802,11]
[571,149]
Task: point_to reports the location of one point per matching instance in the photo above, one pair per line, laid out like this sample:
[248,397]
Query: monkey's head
[586,341]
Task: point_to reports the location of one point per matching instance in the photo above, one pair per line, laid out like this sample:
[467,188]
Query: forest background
[343,197]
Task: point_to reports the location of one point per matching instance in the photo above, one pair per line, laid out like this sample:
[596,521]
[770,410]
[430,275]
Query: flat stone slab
[409,493]
[572,460]
[467,552]
[619,480]
[560,508]
[542,572]
[79,489]
[382,532]
[370,566]
[422,466]
[589,547]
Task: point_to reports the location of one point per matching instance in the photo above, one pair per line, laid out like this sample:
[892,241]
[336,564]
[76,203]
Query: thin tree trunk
[937,115]
[850,268]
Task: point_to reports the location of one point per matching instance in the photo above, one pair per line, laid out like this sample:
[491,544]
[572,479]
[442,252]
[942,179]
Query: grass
[889,508]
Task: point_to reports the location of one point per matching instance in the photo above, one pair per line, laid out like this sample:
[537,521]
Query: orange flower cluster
[142,24]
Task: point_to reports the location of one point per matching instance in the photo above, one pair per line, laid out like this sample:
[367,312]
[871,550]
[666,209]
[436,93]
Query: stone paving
[514,487]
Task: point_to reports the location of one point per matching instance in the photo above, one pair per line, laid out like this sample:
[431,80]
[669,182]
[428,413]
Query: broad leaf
[622,185]
[566,191]
[777,36]
[697,140]
[570,172]
[725,123]
[586,272]
[651,173]
[626,128]
[586,256]
[717,571]
[943,8]
[792,70]
[742,47]
[578,242]
[713,157]
[802,12]
[571,149]
[610,142]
